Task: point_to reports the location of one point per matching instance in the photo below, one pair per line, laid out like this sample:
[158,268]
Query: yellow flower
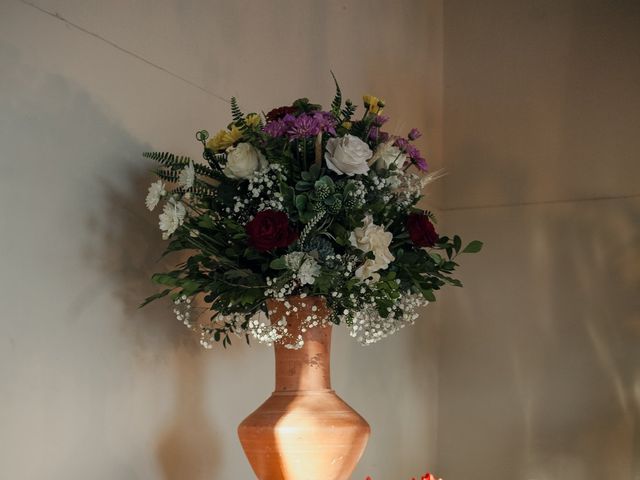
[252,120]
[224,139]
[347,125]
[369,100]
[373,104]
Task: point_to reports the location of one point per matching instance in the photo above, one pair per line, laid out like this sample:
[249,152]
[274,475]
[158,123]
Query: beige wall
[91,387]
[539,366]
[529,373]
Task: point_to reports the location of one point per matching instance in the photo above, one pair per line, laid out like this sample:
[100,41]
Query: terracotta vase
[304,431]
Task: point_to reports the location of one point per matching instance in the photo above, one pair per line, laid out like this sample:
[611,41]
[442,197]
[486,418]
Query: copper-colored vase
[304,431]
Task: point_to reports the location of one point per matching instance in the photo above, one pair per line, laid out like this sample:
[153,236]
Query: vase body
[303,431]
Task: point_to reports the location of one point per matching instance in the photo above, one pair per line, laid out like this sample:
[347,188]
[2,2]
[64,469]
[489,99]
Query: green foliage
[473,247]
[348,111]
[168,159]
[237,115]
[336,104]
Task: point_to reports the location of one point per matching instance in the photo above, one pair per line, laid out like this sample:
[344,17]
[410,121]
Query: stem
[304,153]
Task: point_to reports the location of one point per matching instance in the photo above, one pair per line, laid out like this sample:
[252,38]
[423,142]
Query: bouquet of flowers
[426,476]
[301,201]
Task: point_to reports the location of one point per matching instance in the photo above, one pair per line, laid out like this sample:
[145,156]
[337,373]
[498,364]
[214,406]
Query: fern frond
[167,175]
[359,129]
[237,115]
[207,171]
[168,159]
[348,111]
[200,190]
[336,104]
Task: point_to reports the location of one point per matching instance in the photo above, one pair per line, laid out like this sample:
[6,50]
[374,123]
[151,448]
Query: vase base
[304,435]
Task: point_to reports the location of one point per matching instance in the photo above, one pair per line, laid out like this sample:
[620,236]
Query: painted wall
[539,371]
[92,387]
[529,373]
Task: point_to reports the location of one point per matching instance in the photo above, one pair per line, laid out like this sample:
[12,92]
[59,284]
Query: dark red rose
[269,230]
[278,113]
[421,230]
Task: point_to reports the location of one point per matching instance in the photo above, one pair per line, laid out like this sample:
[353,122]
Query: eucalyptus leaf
[473,247]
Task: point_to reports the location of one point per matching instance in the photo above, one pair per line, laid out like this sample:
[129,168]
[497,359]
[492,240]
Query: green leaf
[155,297]
[278,264]
[301,203]
[428,295]
[473,247]
[457,243]
[337,99]
[436,258]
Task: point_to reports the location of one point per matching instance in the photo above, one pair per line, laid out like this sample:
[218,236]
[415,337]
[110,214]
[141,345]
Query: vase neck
[307,368]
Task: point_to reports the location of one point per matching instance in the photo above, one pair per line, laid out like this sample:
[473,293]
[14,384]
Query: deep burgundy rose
[278,113]
[421,230]
[269,230]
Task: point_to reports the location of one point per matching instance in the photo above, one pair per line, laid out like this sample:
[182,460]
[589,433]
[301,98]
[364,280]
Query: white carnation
[372,238]
[187,175]
[243,161]
[304,266]
[156,191]
[347,155]
[308,271]
[172,217]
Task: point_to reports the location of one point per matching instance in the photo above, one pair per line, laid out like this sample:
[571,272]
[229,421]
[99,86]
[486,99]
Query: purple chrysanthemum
[304,126]
[326,121]
[374,132]
[275,128]
[414,134]
[402,144]
[412,152]
[421,163]
[380,120]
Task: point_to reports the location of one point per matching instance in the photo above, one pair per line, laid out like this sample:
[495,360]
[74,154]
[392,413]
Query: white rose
[347,155]
[372,238]
[243,161]
[387,155]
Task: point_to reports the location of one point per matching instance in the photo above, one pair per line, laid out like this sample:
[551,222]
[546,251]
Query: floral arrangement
[426,476]
[301,201]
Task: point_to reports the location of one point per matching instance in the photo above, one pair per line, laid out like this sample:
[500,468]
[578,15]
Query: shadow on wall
[186,448]
[121,246]
[543,358]
[130,254]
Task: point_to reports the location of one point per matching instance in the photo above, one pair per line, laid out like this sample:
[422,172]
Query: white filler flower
[347,155]
[372,238]
[156,191]
[187,176]
[172,217]
[243,161]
